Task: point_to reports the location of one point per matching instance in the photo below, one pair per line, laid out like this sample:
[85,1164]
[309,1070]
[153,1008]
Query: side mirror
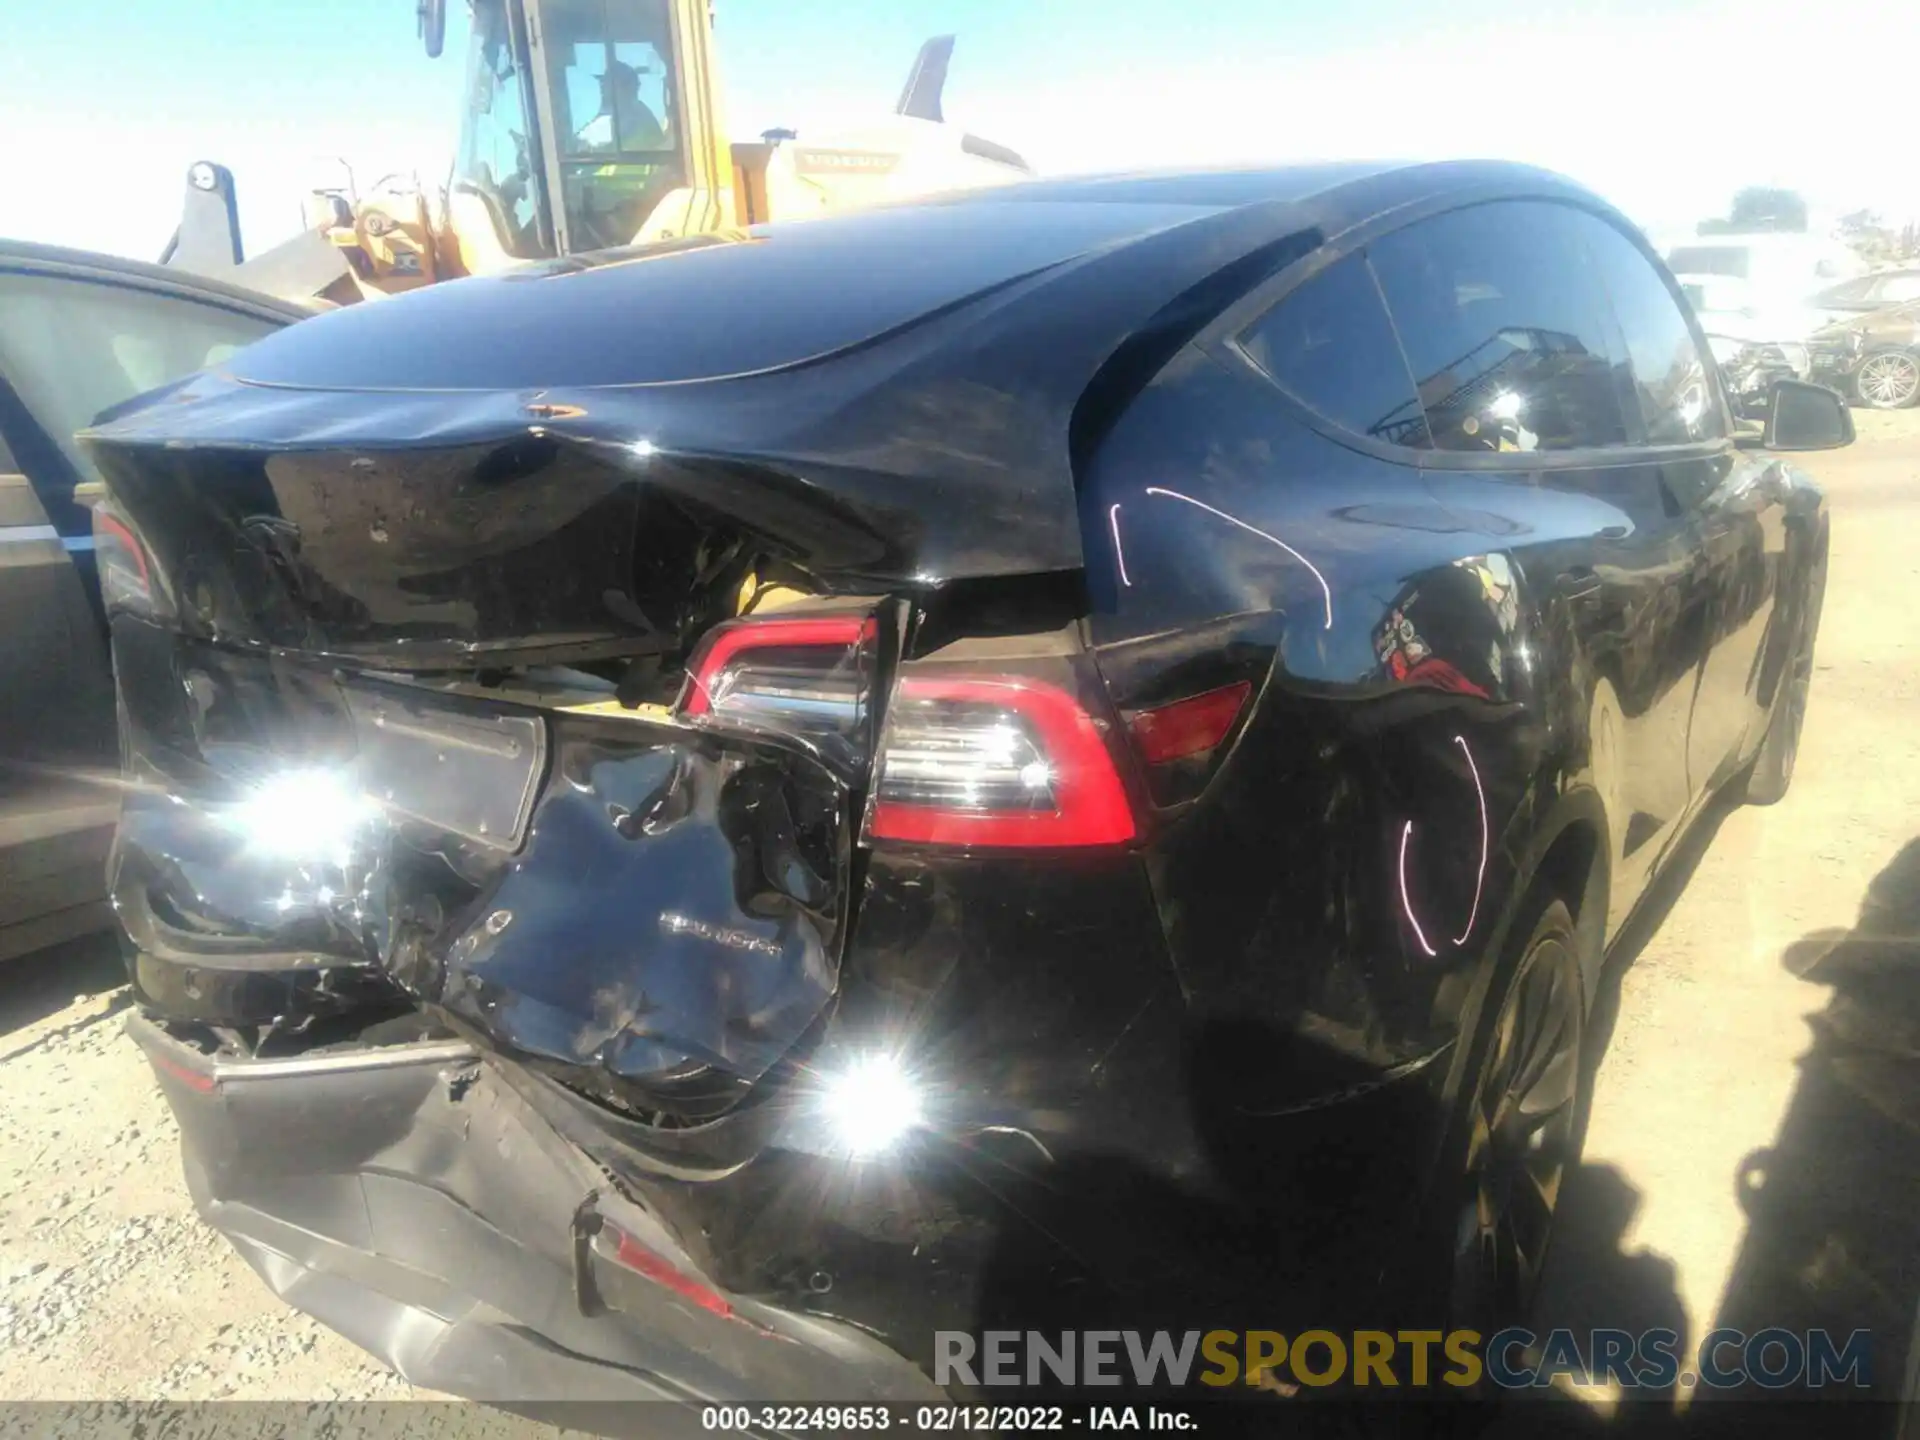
[1803,416]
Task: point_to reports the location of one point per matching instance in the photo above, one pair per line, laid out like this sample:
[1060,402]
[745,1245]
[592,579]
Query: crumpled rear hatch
[428,628]
[646,902]
[470,726]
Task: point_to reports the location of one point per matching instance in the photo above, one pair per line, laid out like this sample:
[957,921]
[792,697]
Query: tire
[1771,774]
[1888,379]
[1436,1290]
[1520,1128]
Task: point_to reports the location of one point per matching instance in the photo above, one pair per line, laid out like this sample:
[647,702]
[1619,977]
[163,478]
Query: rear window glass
[1506,329]
[1732,261]
[1330,345]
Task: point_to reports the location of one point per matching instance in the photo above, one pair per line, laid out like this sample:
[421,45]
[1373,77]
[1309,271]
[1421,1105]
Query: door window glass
[1506,330]
[1330,345]
[497,160]
[615,114]
[72,348]
[1670,379]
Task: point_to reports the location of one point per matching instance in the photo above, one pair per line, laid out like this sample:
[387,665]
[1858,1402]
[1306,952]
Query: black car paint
[1472,676]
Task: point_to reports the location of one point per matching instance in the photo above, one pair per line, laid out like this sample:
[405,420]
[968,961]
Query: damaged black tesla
[698,817]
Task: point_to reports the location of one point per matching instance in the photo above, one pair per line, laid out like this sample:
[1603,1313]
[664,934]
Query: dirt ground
[109,1288]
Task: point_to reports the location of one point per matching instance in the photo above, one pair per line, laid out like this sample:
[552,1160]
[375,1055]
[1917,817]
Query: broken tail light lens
[809,677]
[129,580]
[995,761]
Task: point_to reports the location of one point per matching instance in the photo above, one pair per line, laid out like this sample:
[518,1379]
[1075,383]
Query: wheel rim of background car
[1521,1137]
[1889,380]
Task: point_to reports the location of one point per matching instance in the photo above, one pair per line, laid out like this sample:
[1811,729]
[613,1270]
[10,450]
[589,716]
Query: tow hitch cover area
[473,775]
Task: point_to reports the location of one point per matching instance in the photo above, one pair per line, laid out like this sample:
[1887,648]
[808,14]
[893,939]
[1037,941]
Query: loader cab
[587,124]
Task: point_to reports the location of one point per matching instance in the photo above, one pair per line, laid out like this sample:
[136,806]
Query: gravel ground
[110,1289]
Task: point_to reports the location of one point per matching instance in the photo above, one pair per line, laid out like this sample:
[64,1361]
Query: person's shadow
[1833,1205]
[1305,1228]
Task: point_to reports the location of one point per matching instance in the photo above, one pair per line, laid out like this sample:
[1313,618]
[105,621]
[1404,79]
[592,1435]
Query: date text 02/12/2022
[942,1418]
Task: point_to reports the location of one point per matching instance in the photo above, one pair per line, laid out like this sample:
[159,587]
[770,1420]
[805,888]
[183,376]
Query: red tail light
[995,761]
[1188,727]
[127,579]
[807,676]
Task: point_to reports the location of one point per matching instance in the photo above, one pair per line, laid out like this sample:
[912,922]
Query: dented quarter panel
[1441,658]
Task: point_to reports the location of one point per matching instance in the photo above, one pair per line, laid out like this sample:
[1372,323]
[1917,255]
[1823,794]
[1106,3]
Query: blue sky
[100,114]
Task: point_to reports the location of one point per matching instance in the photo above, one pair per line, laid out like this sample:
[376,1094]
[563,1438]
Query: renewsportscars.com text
[1415,1359]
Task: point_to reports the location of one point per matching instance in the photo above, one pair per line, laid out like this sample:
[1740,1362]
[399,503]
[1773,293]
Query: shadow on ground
[1309,1227]
[1832,1212]
[35,986]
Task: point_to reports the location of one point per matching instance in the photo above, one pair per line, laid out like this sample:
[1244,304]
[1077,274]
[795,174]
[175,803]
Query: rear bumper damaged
[415,1200]
[533,1078]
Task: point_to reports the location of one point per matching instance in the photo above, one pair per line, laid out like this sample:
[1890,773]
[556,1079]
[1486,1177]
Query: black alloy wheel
[1523,1130]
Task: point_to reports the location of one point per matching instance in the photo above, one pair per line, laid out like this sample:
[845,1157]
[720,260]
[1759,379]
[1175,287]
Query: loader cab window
[616,115]
[498,156]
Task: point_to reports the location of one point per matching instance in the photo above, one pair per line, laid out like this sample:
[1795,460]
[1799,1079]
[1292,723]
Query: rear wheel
[1522,1126]
[1888,379]
[1771,773]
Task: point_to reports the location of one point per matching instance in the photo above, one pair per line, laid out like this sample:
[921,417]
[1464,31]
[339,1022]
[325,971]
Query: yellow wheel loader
[587,125]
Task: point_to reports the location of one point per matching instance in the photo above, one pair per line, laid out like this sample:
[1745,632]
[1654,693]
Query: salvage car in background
[1760,289]
[79,333]
[1082,765]
[1874,357]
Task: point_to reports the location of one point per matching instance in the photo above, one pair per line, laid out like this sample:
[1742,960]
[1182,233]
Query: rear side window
[1506,329]
[1330,345]
[1670,385]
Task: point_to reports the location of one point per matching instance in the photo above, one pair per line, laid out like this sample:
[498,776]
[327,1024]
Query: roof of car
[746,302]
[1213,189]
[1359,187]
[26,256]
